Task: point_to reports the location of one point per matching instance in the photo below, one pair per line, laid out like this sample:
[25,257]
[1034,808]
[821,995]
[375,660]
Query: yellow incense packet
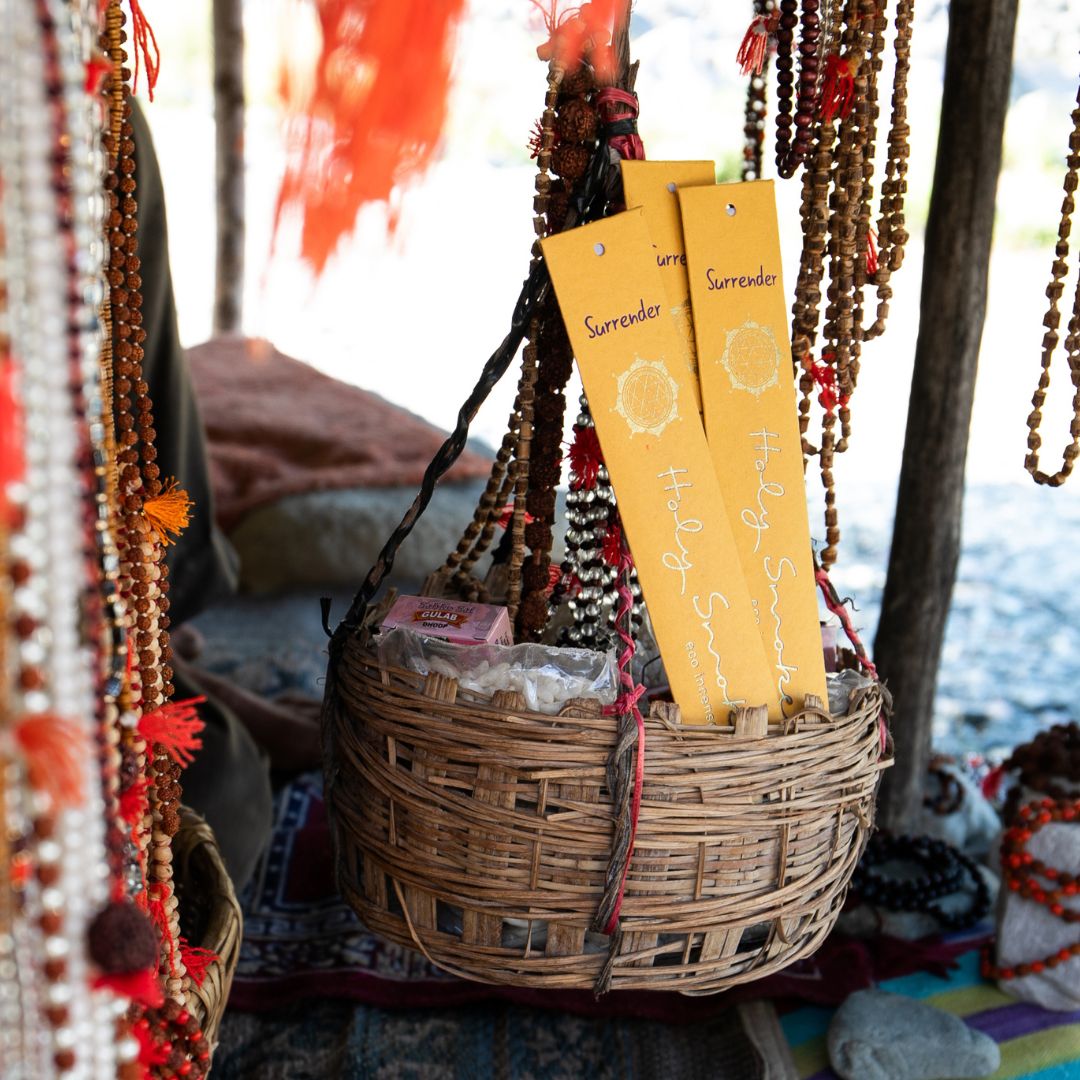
[748,395]
[633,364]
[653,186]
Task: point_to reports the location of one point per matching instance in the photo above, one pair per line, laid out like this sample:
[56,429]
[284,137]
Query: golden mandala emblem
[751,358]
[684,320]
[647,397]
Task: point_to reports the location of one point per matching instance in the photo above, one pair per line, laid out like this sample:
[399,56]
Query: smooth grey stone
[1028,931]
[879,1036]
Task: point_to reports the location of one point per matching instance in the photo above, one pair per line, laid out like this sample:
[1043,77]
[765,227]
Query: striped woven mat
[1035,1044]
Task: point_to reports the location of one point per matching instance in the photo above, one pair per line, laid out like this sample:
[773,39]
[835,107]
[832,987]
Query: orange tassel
[53,750]
[168,513]
[143,38]
[375,114]
[755,45]
[143,987]
[175,727]
[196,961]
[838,88]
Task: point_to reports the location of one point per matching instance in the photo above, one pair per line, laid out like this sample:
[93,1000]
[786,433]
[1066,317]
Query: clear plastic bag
[841,686]
[545,676]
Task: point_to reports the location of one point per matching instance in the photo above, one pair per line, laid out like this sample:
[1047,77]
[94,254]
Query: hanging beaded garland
[754,60]
[834,133]
[1052,321]
[56,783]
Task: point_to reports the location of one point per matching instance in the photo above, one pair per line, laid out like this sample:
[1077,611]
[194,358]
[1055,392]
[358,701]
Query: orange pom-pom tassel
[175,727]
[53,750]
[169,513]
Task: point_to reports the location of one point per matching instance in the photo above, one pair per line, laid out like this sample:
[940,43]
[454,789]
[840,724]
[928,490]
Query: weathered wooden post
[228,31]
[926,535]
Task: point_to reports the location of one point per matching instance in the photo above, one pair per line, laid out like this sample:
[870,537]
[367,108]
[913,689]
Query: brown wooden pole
[926,535]
[228,29]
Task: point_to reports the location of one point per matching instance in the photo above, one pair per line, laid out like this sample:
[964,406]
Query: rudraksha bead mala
[1052,321]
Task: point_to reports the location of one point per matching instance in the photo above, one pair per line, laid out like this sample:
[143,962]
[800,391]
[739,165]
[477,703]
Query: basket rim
[360,649]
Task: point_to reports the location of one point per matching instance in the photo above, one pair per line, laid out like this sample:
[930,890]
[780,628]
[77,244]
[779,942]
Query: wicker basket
[211,916]
[480,833]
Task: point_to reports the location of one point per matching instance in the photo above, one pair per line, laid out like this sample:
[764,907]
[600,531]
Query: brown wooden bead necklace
[837,196]
[1052,320]
[791,152]
[144,572]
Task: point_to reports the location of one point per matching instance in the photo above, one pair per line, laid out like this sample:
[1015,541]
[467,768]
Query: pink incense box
[451,620]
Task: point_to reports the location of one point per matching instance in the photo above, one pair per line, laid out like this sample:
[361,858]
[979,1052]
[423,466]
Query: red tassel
[151,1054]
[585,458]
[197,960]
[12,439]
[98,68]
[507,516]
[612,550]
[838,88]
[175,727]
[133,802]
[825,376]
[142,34]
[53,750]
[992,781]
[755,44]
[536,139]
[143,986]
[554,577]
[160,917]
[871,254]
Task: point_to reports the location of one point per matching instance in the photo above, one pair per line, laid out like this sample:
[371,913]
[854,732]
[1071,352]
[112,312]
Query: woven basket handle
[599,185]
[532,294]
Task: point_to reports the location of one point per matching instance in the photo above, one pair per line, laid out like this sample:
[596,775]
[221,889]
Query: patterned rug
[340,1040]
